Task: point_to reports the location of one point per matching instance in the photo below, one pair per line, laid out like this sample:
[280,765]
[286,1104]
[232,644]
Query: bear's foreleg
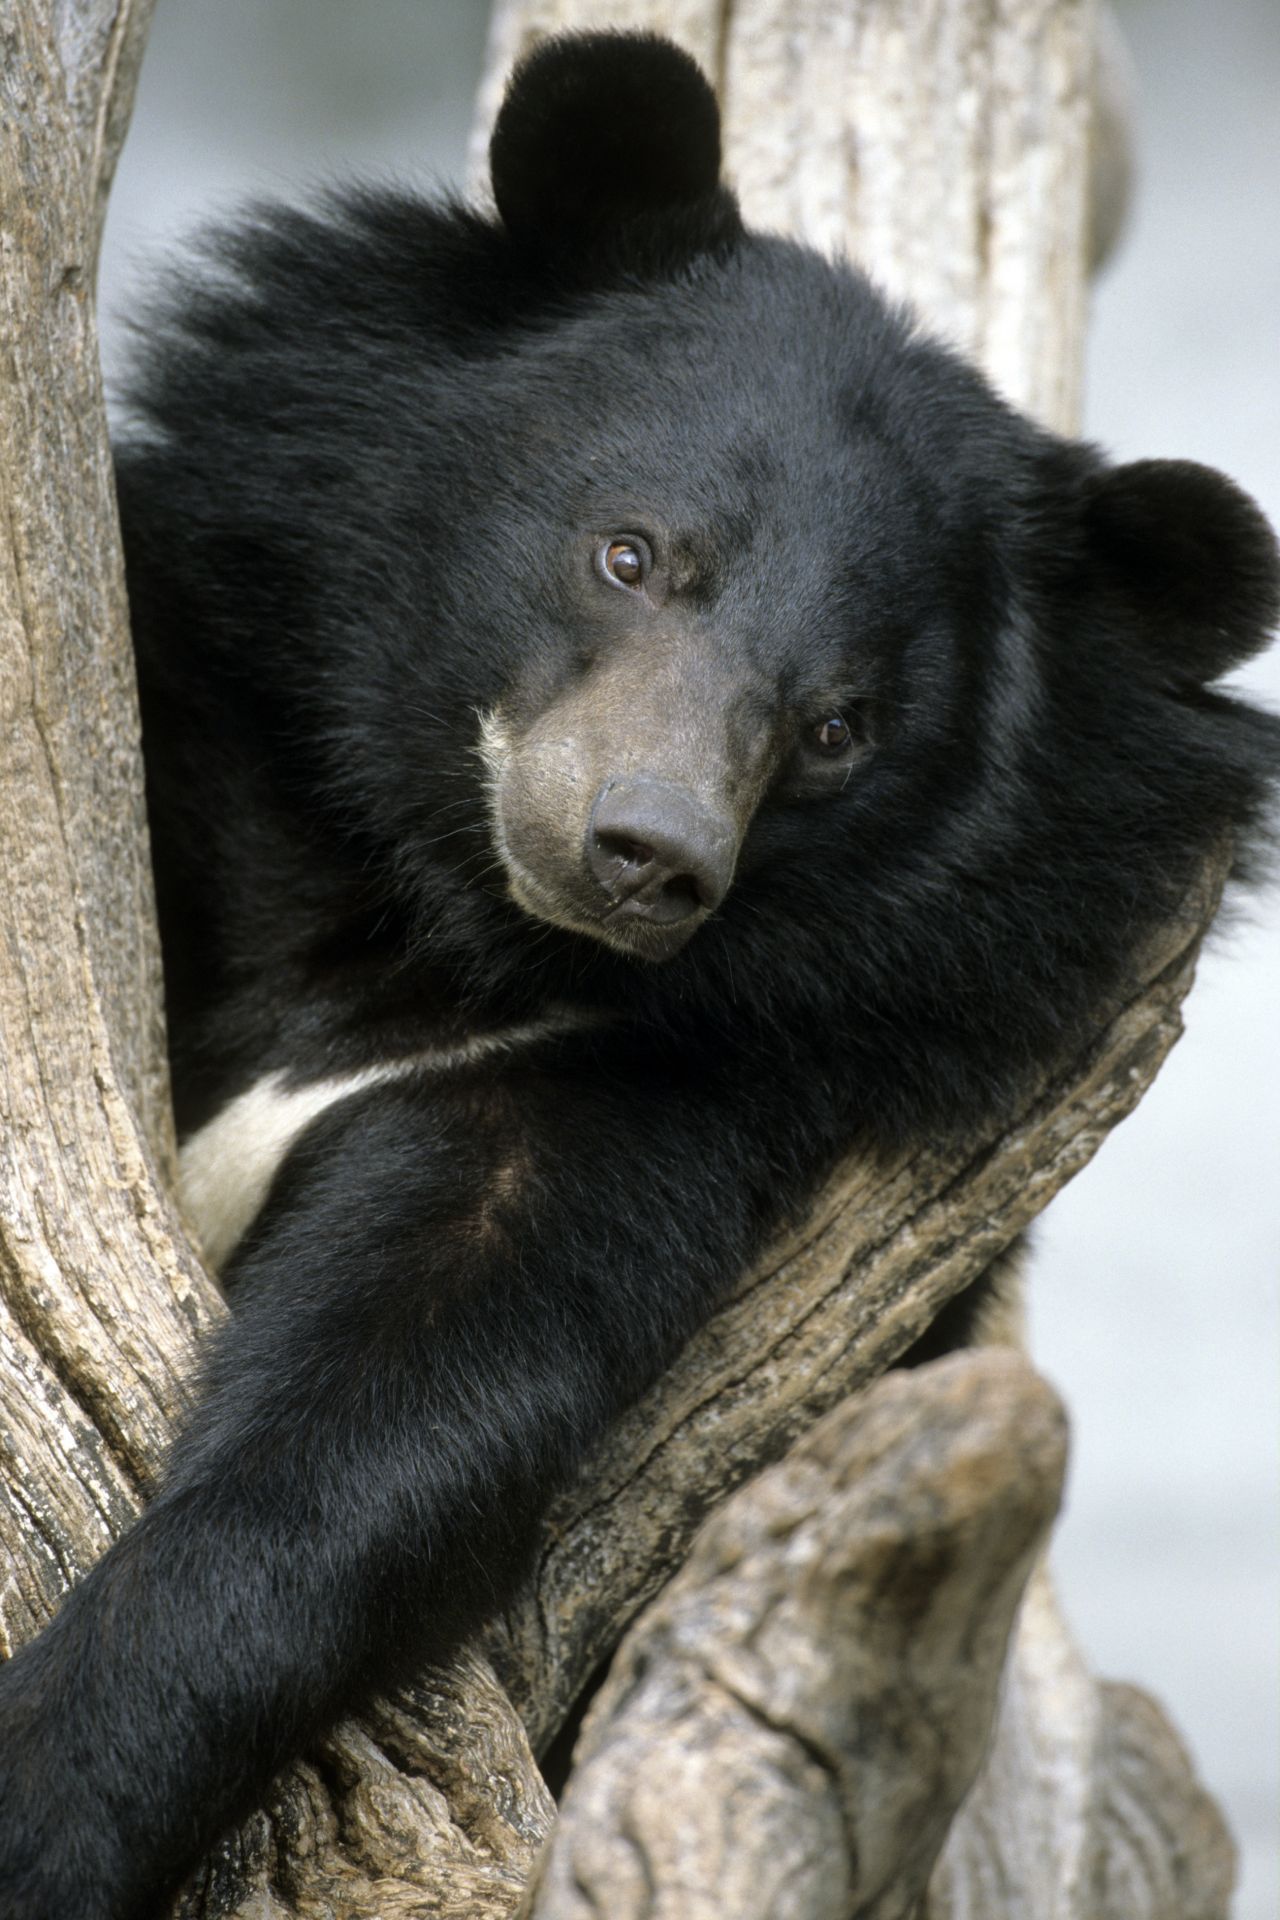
[446,1297]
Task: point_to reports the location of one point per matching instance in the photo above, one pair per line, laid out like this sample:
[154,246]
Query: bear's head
[788,585]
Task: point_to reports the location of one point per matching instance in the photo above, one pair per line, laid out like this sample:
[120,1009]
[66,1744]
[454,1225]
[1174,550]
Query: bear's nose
[658,852]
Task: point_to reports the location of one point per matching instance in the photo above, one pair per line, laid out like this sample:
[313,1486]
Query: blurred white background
[1156,1299]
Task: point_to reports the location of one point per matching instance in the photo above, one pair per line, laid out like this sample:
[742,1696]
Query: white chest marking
[225,1170]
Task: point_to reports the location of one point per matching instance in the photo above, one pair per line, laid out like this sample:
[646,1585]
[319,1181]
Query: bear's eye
[624,563]
[834,735]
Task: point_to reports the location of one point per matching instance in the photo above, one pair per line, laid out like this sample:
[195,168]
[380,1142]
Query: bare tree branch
[100,44]
[102,1299]
[788,1731]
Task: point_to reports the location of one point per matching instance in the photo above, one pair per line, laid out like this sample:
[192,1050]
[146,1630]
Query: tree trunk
[790,1727]
[102,1297]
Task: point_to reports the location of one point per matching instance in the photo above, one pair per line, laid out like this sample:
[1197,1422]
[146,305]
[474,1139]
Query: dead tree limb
[101,1296]
[968,127]
[789,1729]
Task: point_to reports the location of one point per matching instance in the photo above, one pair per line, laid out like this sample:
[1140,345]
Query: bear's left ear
[599,130]
[1187,560]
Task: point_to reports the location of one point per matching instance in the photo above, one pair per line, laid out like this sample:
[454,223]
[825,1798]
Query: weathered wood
[101,1297]
[432,1807]
[789,1729]
[100,45]
[1087,1807]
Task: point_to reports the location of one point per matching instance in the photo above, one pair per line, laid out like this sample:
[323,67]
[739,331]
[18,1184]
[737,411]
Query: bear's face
[736,593]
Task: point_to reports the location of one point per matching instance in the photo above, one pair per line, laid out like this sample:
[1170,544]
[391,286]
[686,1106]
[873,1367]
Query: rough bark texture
[944,143]
[788,1730]
[101,1297]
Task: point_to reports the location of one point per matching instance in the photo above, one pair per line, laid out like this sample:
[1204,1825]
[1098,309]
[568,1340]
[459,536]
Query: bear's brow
[702,557]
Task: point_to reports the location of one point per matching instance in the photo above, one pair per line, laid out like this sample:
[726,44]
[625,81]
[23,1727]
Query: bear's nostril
[633,853]
[683,889]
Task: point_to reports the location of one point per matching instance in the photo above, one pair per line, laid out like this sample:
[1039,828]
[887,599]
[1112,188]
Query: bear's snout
[619,809]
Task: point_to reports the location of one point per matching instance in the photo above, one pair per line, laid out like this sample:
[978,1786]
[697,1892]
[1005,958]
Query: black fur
[373,449]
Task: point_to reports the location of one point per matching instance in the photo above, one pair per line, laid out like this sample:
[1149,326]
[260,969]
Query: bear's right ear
[602,132]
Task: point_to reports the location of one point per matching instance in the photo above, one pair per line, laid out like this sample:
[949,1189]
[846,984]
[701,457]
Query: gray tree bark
[101,1295]
[790,1727]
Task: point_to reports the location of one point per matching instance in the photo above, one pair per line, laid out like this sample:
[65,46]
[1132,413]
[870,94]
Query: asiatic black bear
[627,718]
